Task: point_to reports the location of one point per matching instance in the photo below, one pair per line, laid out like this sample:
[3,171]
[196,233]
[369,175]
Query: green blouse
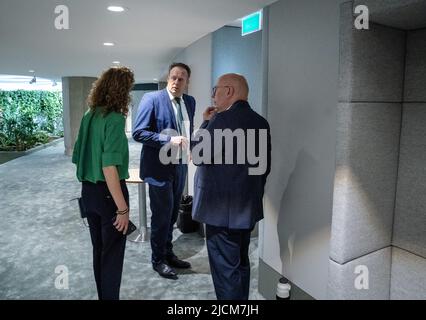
[101,142]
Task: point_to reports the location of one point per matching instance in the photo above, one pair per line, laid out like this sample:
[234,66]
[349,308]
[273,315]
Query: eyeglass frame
[214,89]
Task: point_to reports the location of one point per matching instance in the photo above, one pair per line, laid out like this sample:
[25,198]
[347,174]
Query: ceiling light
[116,62]
[108,44]
[115,8]
[31,71]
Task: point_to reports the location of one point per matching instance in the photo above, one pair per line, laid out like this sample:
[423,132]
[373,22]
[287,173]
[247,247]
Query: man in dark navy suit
[229,185]
[165,119]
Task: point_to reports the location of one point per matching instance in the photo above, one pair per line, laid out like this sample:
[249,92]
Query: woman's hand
[113,182]
[121,223]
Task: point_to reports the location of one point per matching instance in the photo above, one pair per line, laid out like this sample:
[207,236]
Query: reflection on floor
[42,233]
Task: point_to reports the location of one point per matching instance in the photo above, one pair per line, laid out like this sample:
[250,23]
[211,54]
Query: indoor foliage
[29,118]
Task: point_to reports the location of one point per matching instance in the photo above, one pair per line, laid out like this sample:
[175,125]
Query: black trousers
[164,202]
[108,244]
[228,251]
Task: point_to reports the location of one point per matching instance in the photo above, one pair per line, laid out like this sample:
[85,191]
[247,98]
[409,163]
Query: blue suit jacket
[225,195]
[155,114]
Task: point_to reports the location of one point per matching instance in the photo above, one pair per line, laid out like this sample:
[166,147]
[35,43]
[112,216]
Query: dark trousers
[164,203]
[229,262]
[108,244]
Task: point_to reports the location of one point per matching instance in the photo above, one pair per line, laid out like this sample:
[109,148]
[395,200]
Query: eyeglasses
[214,89]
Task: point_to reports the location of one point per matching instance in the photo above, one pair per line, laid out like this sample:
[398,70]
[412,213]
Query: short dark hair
[181,65]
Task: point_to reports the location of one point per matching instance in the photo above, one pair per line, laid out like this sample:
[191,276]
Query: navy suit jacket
[225,195]
[155,114]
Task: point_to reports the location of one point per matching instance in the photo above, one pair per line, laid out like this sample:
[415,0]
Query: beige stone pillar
[74,93]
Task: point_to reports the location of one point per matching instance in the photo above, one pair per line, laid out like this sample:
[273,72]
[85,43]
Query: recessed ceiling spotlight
[31,71]
[115,9]
[108,44]
[116,62]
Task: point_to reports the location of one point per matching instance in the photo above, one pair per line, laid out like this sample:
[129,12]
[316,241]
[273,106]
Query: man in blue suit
[228,188]
[165,119]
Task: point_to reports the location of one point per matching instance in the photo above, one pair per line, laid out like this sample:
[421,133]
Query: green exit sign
[251,23]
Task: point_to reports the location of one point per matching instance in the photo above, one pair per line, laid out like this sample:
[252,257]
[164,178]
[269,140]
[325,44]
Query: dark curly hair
[112,91]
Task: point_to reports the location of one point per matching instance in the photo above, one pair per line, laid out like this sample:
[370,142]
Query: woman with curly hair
[101,154]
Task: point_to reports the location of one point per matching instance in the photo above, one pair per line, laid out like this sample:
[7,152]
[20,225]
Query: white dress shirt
[186,132]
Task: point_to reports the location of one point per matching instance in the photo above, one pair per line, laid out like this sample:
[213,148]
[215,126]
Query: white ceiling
[147,36]
[11,82]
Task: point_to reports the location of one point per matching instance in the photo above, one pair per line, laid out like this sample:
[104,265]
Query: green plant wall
[29,118]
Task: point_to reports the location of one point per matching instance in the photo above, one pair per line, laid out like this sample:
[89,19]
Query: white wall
[302,103]
[221,52]
[233,53]
[198,56]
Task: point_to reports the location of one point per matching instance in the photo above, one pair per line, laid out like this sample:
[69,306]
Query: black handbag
[83,212]
[184,220]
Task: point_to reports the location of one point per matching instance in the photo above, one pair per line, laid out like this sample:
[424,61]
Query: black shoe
[165,271]
[177,263]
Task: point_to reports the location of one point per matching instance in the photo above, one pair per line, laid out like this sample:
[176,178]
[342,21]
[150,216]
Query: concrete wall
[379,202]
[408,277]
[243,55]
[74,93]
[222,52]
[302,102]
[368,130]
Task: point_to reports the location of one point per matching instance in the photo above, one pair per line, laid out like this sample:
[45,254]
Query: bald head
[230,88]
[238,82]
